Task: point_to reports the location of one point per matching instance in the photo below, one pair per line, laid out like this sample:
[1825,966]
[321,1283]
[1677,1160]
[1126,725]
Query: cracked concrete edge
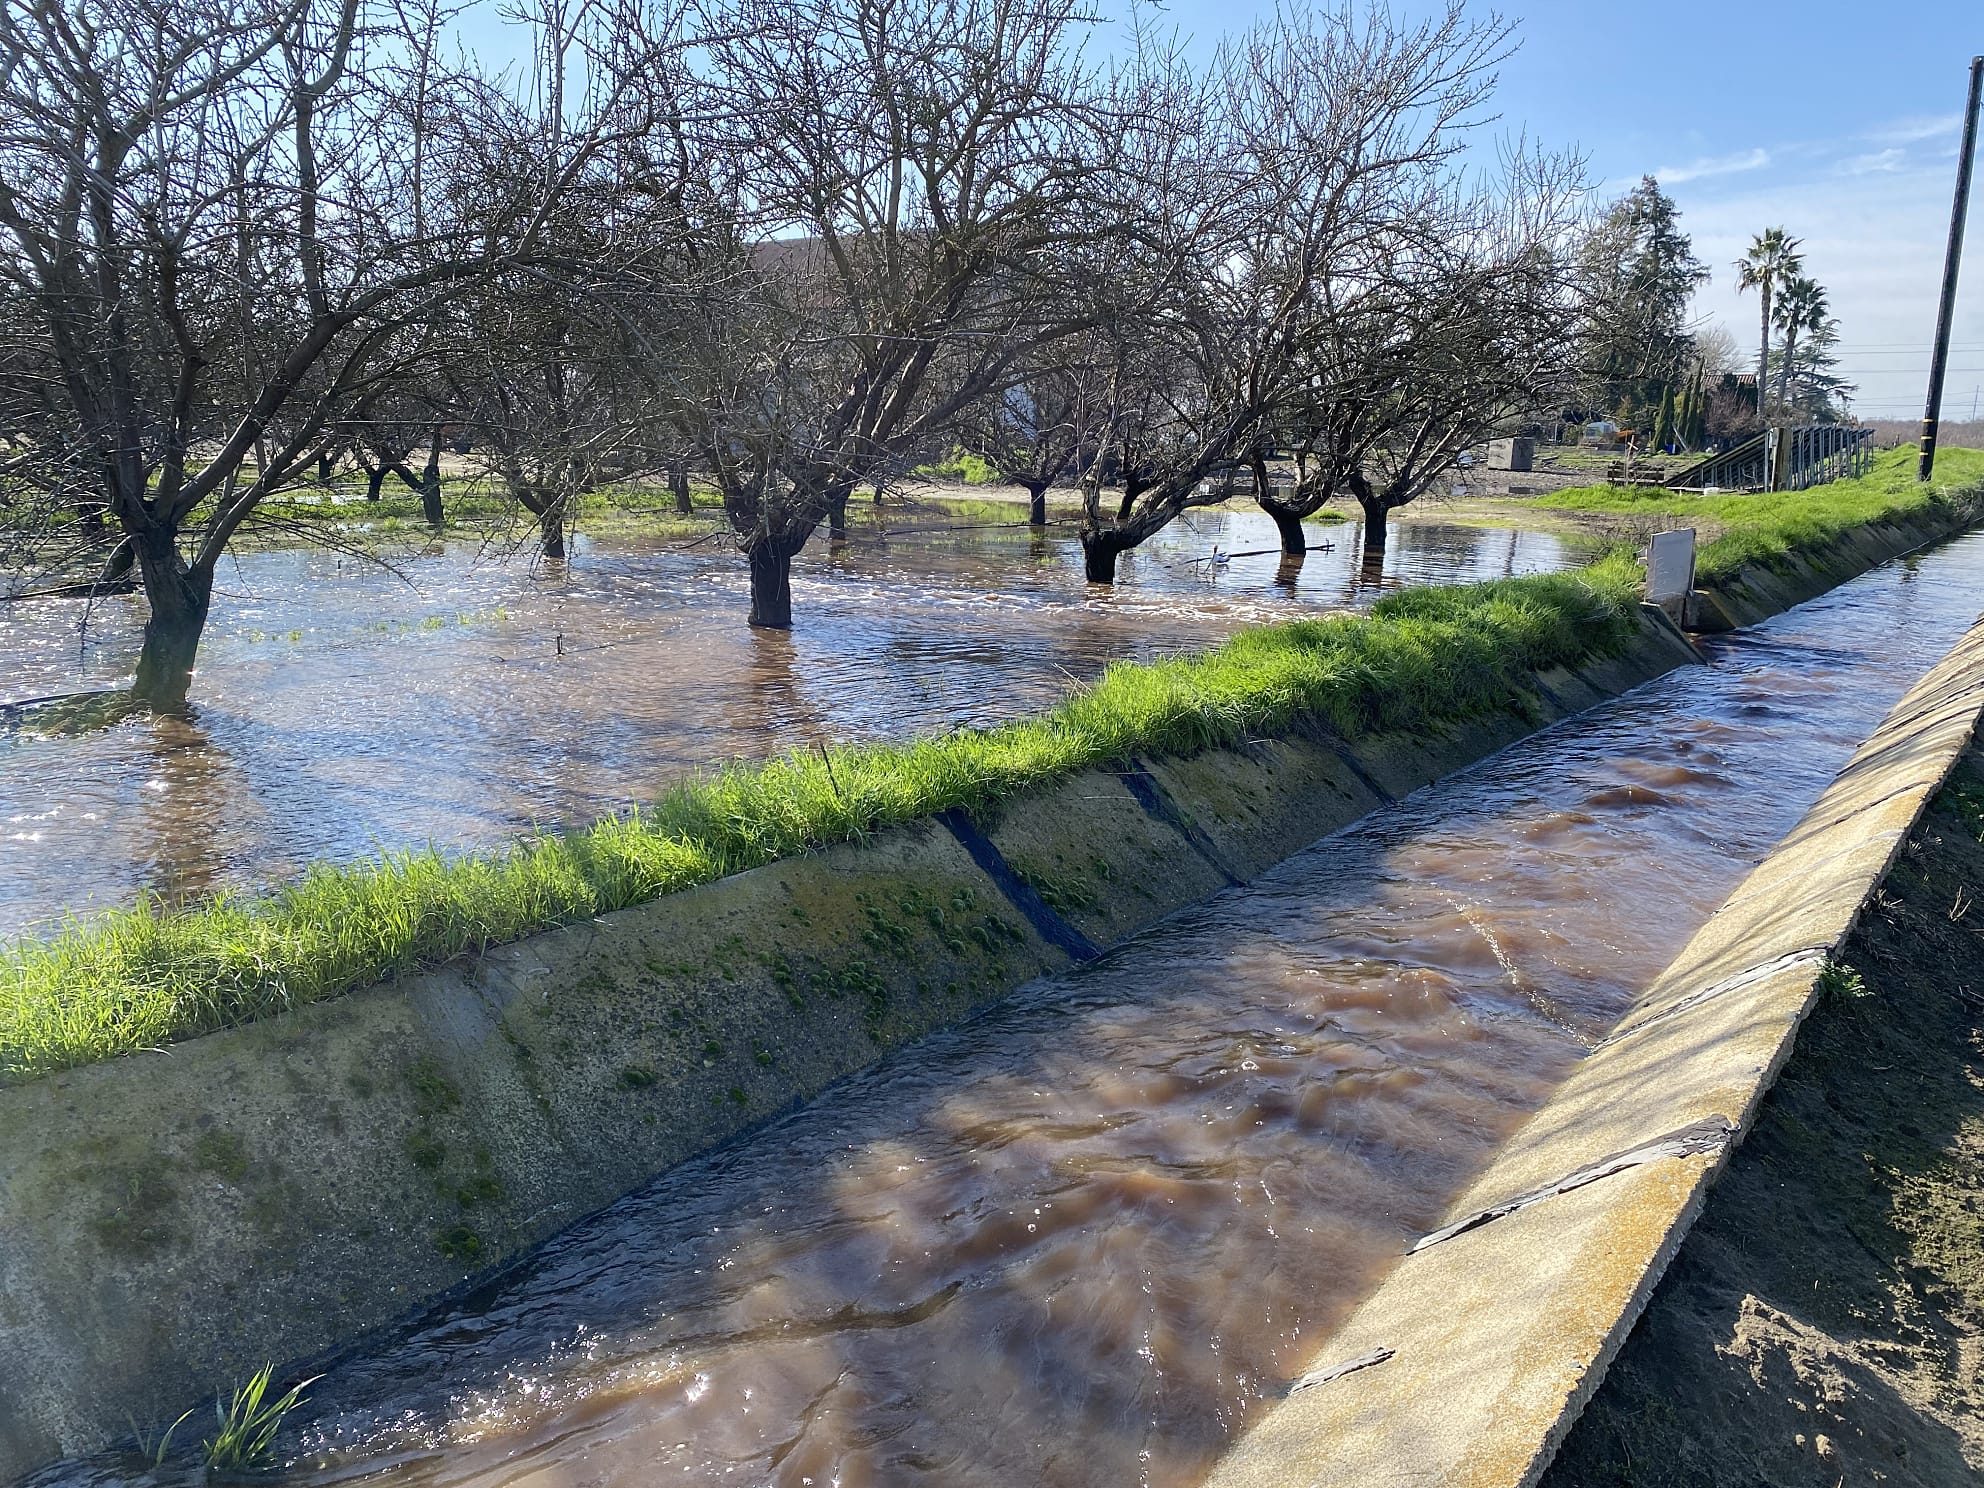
[1495,1338]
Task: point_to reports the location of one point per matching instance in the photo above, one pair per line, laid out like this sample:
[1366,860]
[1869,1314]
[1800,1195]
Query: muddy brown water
[341,708]
[1084,1238]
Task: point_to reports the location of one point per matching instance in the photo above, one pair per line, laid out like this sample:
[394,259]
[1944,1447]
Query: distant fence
[1787,459]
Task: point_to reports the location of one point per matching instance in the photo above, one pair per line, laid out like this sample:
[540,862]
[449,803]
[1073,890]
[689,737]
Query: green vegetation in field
[1840,984]
[139,977]
[962,465]
[481,505]
[1768,526]
[495,615]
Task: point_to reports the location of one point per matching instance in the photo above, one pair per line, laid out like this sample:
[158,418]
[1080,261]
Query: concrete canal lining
[171,1220]
[1756,591]
[1469,1365]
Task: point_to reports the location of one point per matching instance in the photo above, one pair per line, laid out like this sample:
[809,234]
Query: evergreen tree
[1638,271]
[1772,260]
[1663,424]
[1815,390]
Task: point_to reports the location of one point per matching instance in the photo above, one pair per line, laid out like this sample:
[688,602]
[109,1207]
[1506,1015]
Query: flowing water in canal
[341,707]
[1085,1237]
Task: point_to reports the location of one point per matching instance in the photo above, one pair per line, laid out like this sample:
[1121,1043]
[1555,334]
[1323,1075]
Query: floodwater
[341,708]
[1082,1239]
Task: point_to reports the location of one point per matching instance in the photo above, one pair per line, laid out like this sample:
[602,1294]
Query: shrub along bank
[1770,526]
[134,978]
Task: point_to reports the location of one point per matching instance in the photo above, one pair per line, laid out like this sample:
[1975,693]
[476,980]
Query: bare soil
[1824,1323]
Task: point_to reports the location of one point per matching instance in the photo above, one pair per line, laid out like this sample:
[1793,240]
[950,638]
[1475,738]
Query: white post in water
[1670,572]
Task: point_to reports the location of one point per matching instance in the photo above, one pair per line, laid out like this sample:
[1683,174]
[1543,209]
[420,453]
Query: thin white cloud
[1880,160]
[1720,165]
[1914,130]
[1877,248]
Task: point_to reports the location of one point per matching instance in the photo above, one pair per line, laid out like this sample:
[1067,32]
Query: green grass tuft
[1840,985]
[246,1439]
[142,976]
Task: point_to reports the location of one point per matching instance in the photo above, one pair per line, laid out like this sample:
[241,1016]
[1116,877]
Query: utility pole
[1939,358]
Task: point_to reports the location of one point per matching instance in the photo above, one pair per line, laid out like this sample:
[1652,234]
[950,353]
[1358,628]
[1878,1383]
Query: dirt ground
[1824,1323]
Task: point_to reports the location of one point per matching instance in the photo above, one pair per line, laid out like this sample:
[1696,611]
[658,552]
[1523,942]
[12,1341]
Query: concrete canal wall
[1469,1365]
[1756,591]
[171,1220]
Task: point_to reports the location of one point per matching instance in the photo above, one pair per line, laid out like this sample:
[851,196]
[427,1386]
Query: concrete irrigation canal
[1145,1220]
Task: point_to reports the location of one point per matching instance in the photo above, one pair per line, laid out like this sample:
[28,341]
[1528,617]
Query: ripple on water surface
[1083,1238]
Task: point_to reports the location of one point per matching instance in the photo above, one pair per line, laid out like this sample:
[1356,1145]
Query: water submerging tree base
[135,978]
[338,711]
[1083,1238]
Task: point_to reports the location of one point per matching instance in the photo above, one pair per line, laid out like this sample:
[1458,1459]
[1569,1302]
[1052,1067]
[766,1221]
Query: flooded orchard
[1084,1238]
[463,696]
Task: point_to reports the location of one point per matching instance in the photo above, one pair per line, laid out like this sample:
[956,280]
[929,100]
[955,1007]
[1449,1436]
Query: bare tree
[911,177]
[1455,325]
[545,401]
[383,432]
[221,221]
[1031,432]
[1305,169]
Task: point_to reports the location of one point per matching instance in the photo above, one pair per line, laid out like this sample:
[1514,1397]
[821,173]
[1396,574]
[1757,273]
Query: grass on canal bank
[1767,527]
[136,978]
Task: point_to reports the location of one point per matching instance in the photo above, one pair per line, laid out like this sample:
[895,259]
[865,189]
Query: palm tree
[1773,258]
[1801,309]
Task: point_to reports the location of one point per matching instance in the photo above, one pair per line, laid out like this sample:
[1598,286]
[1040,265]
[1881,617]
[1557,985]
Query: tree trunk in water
[1374,531]
[178,598]
[430,483]
[771,581]
[1294,542]
[551,529]
[325,465]
[1289,569]
[374,479]
[837,515]
[1099,554]
[878,490]
[1036,503]
[678,482]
